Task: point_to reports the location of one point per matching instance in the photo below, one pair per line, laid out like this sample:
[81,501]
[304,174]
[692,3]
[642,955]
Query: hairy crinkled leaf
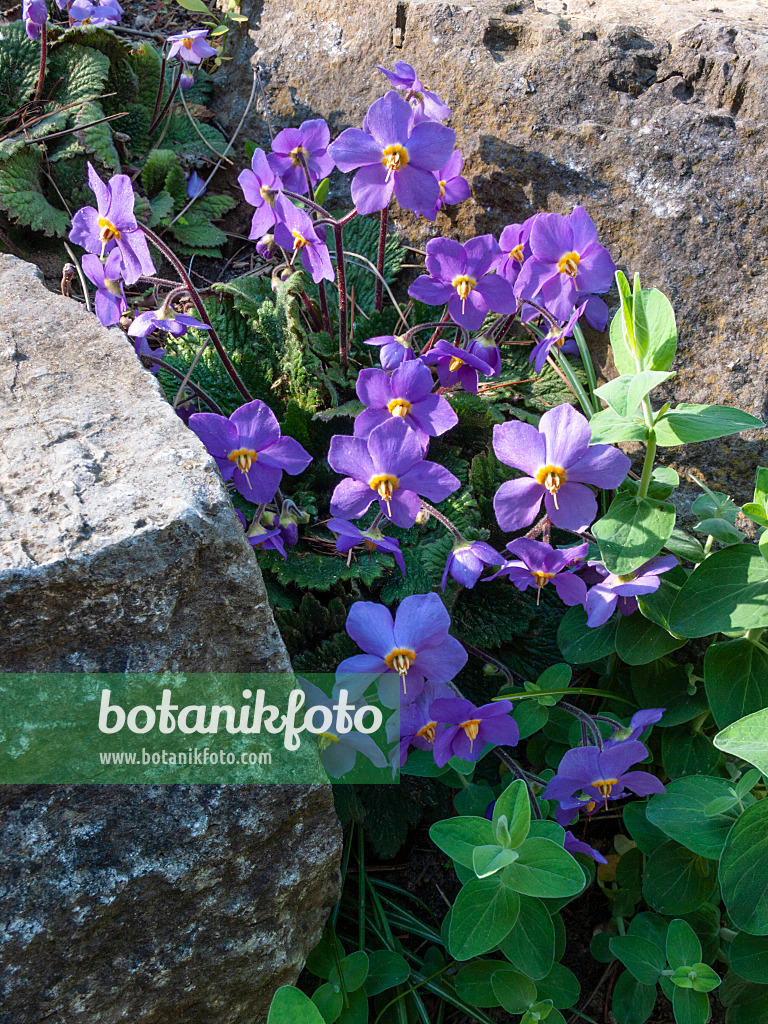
[21,194]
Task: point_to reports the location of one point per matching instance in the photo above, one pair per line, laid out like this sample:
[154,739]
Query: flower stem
[190,384]
[586,720]
[586,358]
[324,308]
[576,385]
[442,519]
[650,455]
[519,773]
[43,60]
[193,294]
[156,120]
[160,87]
[380,261]
[341,278]
[754,634]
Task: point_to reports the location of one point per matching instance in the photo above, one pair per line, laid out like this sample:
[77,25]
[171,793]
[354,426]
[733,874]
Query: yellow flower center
[394,158]
[107,231]
[243,458]
[517,253]
[542,579]
[463,286]
[299,241]
[471,727]
[400,659]
[442,188]
[455,363]
[268,195]
[427,732]
[187,42]
[553,478]
[296,155]
[569,264]
[385,485]
[399,407]
[604,787]
[590,806]
[325,739]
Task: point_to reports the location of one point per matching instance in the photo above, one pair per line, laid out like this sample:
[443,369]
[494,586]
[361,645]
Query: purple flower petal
[520,445]
[576,507]
[516,503]
[567,435]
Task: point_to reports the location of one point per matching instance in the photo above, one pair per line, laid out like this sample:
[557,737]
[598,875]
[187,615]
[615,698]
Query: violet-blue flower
[637,725]
[105,12]
[309,142]
[566,262]
[426,105]
[407,394]
[467,560]
[261,187]
[622,590]
[349,536]
[249,450]
[142,348]
[539,563]
[394,154]
[395,349]
[555,336]
[339,750]
[110,302]
[457,365]
[164,319]
[487,350]
[112,224]
[461,276]
[418,728]
[574,845]
[453,188]
[469,728]
[408,649]
[295,231]
[261,536]
[35,15]
[558,461]
[196,185]
[388,465]
[598,776]
[515,246]
[191,47]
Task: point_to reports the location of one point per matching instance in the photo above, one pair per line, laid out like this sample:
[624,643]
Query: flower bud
[187,80]
[422,517]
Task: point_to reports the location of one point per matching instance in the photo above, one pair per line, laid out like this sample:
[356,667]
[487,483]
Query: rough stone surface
[119,551]
[650,114]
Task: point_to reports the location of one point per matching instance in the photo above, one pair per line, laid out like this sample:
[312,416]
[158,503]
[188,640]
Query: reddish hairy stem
[43,60]
[341,278]
[380,261]
[193,294]
[156,120]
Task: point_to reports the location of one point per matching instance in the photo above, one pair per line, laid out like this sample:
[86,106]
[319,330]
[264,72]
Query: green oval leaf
[530,946]
[736,679]
[484,912]
[747,739]
[748,955]
[514,991]
[458,837]
[386,970]
[632,1002]
[642,958]
[632,531]
[683,946]
[728,591]
[689,423]
[744,870]
[677,881]
[289,1004]
[544,869]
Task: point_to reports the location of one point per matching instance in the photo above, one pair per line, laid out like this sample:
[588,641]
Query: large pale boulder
[120,551]
[650,114]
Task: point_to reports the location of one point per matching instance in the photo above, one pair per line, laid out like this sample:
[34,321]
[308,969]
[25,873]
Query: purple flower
[261,187]
[394,154]
[186,80]
[457,366]
[295,231]
[106,12]
[461,276]
[338,749]
[191,47]
[596,312]
[540,564]
[395,349]
[567,261]
[286,527]
[453,188]
[110,303]
[418,728]
[598,776]
[185,409]
[388,464]
[467,560]
[249,450]
[35,14]
[415,645]
[487,350]
[113,224]
[574,845]
[195,185]
[349,536]
[638,723]
[164,319]
[308,143]
[515,246]
[553,337]
[142,348]
[266,247]
[604,596]
[426,105]
[261,536]
[469,728]
[558,461]
[407,394]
